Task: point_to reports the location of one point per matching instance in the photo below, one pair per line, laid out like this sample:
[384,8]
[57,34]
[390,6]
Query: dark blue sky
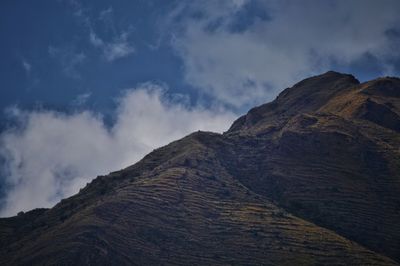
[91,86]
[30,31]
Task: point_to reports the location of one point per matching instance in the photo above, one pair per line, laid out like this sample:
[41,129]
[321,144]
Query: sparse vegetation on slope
[312,178]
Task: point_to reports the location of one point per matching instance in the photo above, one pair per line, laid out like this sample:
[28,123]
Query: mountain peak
[335,73]
[313,92]
[305,96]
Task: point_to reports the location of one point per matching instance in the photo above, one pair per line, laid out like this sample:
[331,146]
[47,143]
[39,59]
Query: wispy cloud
[106,16]
[78,10]
[26,66]
[51,155]
[81,99]
[119,47]
[66,54]
[68,58]
[117,44]
[94,40]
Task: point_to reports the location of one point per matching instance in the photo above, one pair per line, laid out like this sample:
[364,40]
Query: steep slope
[310,178]
[337,164]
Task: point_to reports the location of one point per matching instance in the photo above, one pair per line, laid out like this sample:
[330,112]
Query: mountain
[311,178]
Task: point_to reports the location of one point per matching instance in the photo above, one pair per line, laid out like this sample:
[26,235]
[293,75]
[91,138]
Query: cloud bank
[50,155]
[242,51]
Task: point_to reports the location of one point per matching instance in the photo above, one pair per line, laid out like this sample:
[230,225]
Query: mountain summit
[311,178]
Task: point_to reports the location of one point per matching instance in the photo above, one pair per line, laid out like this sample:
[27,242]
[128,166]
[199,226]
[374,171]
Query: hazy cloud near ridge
[51,155]
[248,64]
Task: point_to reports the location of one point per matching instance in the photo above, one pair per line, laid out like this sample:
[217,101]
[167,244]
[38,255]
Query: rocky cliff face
[310,178]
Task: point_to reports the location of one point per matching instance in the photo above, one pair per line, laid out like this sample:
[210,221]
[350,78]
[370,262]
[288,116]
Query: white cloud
[51,155]
[298,38]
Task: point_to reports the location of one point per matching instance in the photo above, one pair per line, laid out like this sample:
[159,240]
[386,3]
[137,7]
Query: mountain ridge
[310,178]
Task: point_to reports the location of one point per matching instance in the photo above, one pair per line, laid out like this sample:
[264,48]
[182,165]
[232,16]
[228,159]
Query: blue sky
[49,59]
[88,87]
